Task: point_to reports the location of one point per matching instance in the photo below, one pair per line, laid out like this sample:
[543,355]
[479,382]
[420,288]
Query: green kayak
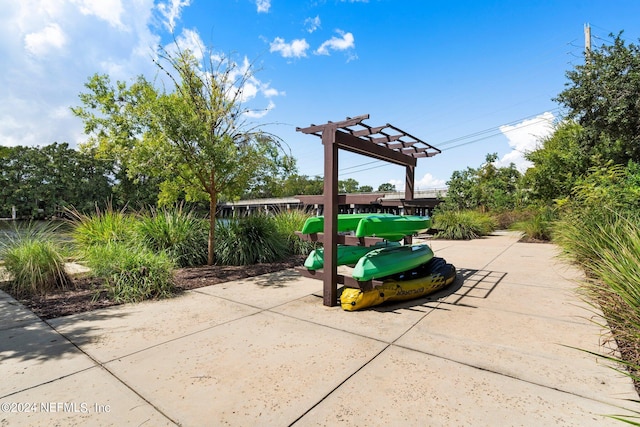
[346,254]
[392,228]
[387,261]
[346,222]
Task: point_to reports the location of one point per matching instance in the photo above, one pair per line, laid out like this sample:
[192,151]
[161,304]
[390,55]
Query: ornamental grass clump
[462,225]
[179,233]
[131,274]
[100,228]
[606,244]
[33,257]
[287,223]
[249,240]
[538,227]
[608,250]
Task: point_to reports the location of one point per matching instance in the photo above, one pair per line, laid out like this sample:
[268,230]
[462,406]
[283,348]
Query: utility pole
[587,42]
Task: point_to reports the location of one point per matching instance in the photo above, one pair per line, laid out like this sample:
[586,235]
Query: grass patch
[462,225]
[538,226]
[179,233]
[607,246]
[131,274]
[34,259]
[287,223]
[101,228]
[249,240]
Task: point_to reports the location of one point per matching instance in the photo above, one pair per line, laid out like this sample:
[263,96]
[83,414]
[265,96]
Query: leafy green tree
[349,185]
[296,184]
[19,181]
[387,187]
[602,96]
[365,189]
[486,188]
[609,186]
[557,164]
[269,181]
[196,137]
[40,181]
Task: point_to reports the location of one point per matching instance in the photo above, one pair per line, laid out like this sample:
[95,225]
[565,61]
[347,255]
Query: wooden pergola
[387,143]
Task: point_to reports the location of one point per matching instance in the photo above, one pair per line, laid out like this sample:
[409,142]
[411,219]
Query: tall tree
[348,185]
[196,137]
[39,181]
[558,163]
[486,188]
[387,187]
[603,96]
[302,185]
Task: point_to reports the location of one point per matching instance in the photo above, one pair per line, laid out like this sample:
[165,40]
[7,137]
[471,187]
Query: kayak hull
[386,226]
[392,228]
[346,254]
[385,262]
[346,222]
[430,277]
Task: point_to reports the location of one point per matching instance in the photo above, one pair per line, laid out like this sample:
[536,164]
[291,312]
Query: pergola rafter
[387,143]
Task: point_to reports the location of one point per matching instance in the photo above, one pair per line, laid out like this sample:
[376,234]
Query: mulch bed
[88,293]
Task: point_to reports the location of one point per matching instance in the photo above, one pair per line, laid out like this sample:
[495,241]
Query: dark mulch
[88,293]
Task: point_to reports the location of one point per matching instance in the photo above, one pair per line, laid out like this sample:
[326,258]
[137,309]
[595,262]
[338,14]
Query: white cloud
[256,114]
[312,24]
[189,40]
[263,5]
[427,182]
[271,92]
[171,11]
[50,49]
[40,42]
[107,10]
[296,49]
[523,137]
[346,41]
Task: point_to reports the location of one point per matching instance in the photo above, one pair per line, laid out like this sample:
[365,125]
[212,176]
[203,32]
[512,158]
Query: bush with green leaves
[249,240]
[462,225]
[131,274]
[34,259]
[179,233]
[538,226]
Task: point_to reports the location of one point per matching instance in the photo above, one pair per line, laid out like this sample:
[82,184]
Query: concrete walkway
[493,349]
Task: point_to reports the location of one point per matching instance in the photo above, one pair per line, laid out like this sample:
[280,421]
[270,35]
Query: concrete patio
[498,347]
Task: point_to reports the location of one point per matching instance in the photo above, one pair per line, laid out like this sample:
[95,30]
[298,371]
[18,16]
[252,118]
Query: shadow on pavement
[469,283]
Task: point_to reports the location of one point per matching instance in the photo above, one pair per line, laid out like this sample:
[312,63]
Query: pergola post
[408,194]
[330,279]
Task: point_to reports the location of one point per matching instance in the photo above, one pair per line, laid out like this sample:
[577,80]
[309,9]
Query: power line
[492,132]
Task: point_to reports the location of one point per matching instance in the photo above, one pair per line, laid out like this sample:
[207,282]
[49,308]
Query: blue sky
[469,77]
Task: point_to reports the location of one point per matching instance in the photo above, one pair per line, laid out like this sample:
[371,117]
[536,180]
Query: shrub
[538,226]
[462,225]
[179,233]
[608,247]
[131,274]
[505,219]
[287,223]
[249,240]
[101,228]
[33,257]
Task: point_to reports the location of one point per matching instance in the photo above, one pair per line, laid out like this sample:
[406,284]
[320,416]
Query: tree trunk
[213,201]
